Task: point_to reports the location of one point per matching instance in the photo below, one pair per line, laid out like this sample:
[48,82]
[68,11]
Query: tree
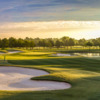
[36,41]
[64,40]
[20,43]
[58,44]
[50,43]
[31,44]
[71,42]
[82,42]
[43,43]
[4,43]
[39,43]
[26,43]
[89,44]
[67,43]
[12,42]
[0,43]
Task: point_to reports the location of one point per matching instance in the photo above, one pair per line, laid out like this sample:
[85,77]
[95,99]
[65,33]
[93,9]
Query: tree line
[48,42]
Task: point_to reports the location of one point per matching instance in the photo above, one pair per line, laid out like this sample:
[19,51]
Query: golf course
[80,73]
[49,49]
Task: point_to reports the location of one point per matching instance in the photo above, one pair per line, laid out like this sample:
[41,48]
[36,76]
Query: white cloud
[51,24]
[48,29]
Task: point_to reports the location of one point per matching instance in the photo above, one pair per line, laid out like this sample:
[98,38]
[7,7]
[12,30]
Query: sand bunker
[11,52]
[15,51]
[15,78]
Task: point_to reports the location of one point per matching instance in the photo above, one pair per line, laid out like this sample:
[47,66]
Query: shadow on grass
[26,55]
[79,63]
[44,95]
[84,89]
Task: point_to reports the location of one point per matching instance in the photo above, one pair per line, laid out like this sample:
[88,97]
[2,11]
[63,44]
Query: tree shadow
[78,63]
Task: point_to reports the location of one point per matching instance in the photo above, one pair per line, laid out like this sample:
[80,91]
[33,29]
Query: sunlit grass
[83,73]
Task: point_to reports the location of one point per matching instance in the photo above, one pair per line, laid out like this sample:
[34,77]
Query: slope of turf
[82,73]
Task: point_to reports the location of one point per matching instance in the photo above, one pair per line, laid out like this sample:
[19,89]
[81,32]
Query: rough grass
[82,73]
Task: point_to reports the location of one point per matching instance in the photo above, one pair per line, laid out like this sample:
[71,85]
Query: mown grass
[83,73]
[3,51]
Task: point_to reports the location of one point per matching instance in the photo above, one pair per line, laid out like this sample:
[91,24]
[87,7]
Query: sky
[50,18]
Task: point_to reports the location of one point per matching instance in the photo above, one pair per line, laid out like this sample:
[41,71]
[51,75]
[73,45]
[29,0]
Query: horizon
[51,29]
[50,38]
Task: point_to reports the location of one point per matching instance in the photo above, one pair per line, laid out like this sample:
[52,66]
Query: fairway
[81,72]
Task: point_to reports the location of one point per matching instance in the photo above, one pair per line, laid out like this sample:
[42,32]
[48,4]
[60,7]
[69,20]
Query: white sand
[11,52]
[14,51]
[15,78]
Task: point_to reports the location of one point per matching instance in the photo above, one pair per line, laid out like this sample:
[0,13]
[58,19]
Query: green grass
[83,73]
[3,51]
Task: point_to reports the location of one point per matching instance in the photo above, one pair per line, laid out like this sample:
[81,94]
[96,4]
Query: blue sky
[50,18]
[49,10]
